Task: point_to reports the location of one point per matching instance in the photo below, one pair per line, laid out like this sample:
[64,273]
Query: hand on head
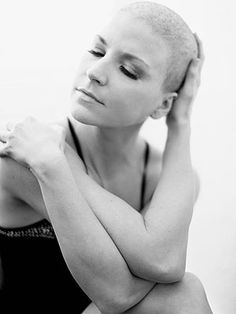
[182,106]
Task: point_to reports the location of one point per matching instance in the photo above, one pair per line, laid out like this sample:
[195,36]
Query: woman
[84,176]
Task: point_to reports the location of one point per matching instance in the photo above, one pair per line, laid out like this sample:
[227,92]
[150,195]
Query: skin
[128,102]
[111,130]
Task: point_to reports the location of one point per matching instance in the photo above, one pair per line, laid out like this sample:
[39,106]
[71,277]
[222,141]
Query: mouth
[88,93]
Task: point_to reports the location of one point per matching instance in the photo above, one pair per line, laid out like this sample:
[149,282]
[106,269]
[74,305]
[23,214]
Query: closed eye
[122,68]
[96,53]
[127,73]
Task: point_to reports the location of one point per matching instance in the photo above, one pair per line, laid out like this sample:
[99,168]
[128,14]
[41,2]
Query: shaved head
[175,32]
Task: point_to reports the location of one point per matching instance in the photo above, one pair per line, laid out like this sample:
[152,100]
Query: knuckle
[188,96]
[198,82]
[8,149]
[193,69]
[11,136]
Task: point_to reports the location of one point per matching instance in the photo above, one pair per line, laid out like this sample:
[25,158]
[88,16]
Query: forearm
[174,197]
[89,252]
[141,239]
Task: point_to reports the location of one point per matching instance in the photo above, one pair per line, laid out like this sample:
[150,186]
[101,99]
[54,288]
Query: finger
[188,91]
[61,130]
[201,55]
[191,79]
[4,150]
[4,135]
[10,126]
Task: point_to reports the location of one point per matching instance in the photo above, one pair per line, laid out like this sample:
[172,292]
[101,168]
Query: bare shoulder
[20,194]
[14,176]
[21,202]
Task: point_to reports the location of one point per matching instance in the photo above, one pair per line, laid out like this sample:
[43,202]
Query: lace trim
[41,229]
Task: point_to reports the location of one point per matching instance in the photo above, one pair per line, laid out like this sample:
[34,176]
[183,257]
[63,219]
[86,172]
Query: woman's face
[124,69]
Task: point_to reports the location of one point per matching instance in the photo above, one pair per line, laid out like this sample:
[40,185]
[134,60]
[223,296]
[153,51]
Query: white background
[40,47]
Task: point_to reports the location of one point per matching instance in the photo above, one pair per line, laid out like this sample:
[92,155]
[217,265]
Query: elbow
[166,271]
[170,273]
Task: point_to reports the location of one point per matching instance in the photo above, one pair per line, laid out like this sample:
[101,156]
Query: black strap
[146,157]
[144,179]
[77,143]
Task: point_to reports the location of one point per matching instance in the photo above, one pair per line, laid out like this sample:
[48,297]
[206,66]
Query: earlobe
[169,100]
[156,114]
[165,107]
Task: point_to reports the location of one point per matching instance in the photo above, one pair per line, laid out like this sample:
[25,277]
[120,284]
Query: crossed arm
[153,244]
[101,249]
[102,238]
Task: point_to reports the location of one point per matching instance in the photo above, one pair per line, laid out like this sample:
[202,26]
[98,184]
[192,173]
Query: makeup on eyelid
[125,55]
[126,71]
[136,65]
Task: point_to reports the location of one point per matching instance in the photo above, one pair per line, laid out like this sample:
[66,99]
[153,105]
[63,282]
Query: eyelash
[122,68]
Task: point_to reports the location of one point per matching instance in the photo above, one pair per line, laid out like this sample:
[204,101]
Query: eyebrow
[125,55]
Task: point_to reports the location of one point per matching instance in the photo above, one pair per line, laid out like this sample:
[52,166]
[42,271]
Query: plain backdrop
[40,46]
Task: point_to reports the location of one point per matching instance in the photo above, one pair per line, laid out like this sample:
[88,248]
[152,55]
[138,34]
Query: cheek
[142,98]
[132,104]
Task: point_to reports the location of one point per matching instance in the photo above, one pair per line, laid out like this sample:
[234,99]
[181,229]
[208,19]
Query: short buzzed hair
[177,34]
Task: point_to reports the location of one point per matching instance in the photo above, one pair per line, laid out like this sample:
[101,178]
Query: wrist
[179,132]
[51,162]
[178,125]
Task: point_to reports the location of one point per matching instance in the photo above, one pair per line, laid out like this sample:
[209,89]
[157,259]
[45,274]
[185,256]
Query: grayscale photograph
[117,157]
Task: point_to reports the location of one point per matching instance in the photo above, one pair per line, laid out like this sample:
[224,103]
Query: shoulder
[19,182]
[20,199]
[14,177]
[10,173]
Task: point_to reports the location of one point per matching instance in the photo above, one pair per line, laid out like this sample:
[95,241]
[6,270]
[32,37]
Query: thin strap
[77,143]
[144,179]
[146,157]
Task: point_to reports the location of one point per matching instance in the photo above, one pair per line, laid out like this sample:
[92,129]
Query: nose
[97,73]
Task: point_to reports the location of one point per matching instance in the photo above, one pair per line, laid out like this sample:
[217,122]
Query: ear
[165,107]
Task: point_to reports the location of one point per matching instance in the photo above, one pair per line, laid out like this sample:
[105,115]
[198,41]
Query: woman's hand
[181,110]
[30,142]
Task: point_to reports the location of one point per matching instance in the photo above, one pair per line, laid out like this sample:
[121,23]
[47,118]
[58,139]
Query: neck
[109,149]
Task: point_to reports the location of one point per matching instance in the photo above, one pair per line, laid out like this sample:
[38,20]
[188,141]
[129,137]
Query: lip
[90,94]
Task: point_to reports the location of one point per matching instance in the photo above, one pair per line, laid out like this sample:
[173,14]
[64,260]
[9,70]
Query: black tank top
[34,275]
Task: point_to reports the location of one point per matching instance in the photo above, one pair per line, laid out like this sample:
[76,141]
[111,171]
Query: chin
[84,116]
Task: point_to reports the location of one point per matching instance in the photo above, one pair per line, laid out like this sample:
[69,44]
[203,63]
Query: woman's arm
[89,252]
[154,245]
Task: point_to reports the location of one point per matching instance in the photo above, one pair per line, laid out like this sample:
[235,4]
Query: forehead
[126,33]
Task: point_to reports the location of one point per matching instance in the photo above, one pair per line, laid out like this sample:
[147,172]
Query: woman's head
[134,67]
